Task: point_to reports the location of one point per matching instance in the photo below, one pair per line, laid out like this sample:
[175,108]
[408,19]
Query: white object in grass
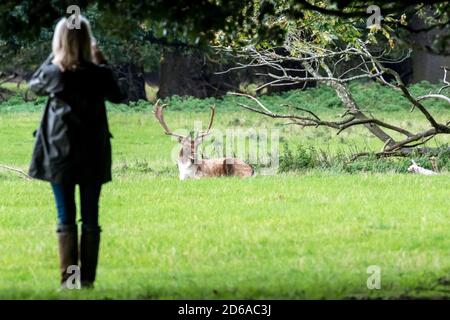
[415,168]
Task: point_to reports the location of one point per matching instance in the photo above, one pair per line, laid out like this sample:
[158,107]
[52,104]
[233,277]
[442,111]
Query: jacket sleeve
[46,79]
[114,88]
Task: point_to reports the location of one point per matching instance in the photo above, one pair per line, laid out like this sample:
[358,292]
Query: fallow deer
[189,164]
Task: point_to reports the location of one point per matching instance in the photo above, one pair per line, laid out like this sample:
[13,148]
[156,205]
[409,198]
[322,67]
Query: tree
[197,24]
[199,21]
[335,52]
[129,55]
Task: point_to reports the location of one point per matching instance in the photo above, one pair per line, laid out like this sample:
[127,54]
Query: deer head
[188,160]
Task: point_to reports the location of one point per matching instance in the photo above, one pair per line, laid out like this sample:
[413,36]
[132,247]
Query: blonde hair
[72,46]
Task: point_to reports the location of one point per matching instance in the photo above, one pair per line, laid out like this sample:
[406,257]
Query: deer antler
[159,115]
[205,133]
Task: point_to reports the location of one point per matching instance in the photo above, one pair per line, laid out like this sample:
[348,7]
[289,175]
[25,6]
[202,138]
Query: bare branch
[435,96]
[302,109]
[15,170]
[329,66]
[254,99]
[417,137]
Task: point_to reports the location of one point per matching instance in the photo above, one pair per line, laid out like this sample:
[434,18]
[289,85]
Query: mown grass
[309,234]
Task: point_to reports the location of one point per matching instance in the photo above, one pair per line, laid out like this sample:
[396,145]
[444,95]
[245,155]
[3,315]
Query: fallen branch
[9,78]
[406,152]
[15,170]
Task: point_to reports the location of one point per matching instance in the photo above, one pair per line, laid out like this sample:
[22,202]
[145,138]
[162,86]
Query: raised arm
[113,88]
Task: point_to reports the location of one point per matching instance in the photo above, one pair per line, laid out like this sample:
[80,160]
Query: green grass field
[298,235]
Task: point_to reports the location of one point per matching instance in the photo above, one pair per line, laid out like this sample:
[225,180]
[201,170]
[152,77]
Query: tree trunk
[195,74]
[135,83]
[183,74]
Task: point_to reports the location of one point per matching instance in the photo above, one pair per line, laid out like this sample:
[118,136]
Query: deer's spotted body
[189,164]
[214,168]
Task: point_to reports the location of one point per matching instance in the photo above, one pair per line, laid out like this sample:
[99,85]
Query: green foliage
[301,158]
[370,95]
[16,103]
[27,53]
[119,49]
[195,22]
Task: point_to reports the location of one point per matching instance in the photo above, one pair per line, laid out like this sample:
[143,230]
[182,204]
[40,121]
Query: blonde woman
[73,141]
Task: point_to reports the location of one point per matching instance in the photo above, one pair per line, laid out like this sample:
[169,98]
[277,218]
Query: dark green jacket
[73,140]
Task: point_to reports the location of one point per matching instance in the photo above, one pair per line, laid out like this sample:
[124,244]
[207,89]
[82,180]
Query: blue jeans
[66,208]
